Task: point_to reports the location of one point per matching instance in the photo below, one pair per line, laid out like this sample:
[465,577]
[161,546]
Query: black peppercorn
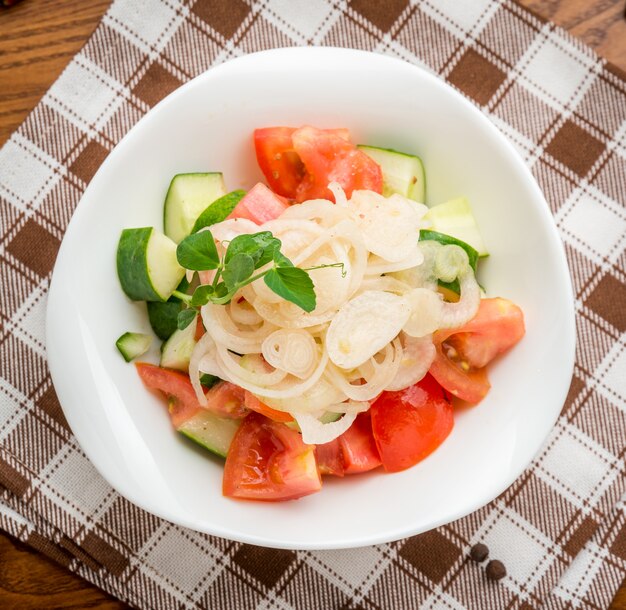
[479,552]
[495,570]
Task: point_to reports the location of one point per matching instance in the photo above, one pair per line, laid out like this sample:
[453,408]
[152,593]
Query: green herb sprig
[245,255]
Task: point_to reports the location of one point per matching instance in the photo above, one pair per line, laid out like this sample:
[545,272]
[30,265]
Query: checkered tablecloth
[560,529]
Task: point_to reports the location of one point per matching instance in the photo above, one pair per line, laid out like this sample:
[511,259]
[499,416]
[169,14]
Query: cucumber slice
[208,381]
[402,173]
[147,266]
[212,432]
[455,218]
[448,240]
[187,197]
[164,316]
[132,345]
[219,210]
[176,351]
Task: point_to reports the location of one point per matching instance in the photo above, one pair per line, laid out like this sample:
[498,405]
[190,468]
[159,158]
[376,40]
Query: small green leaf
[237,270]
[259,246]
[281,260]
[198,252]
[293,285]
[221,291]
[208,381]
[219,210]
[185,318]
[201,295]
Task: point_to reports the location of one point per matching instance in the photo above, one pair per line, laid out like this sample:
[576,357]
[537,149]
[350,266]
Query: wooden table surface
[37,40]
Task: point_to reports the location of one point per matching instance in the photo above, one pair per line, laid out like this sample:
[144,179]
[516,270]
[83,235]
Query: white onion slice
[231,228]
[314,432]
[426,312]
[340,196]
[417,356]
[385,283]
[390,226]
[364,325]
[224,331]
[286,389]
[377,375]
[250,368]
[242,312]
[315,399]
[377,265]
[202,347]
[291,350]
[456,314]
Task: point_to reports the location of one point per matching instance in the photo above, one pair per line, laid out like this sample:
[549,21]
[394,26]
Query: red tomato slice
[329,158]
[497,326]
[358,448]
[279,162]
[260,205]
[330,458]
[200,330]
[268,461]
[224,399]
[410,424]
[254,404]
[463,353]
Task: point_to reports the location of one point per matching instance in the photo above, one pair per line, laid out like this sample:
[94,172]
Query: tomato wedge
[329,158]
[351,453]
[260,205]
[410,424]
[282,167]
[330,458]
[300,163]
[254,404]
[223,399]
[358,448]
[279,163]
[268,461]
[463,353]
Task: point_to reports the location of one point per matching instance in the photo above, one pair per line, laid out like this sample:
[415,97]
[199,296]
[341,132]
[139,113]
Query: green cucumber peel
[219,210]
[208,381]
[132,345]
[163,316]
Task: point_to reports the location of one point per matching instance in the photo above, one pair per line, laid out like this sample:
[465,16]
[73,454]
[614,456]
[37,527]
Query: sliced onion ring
[314,432]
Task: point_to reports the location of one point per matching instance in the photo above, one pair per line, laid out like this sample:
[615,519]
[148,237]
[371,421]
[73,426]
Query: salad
[322,324]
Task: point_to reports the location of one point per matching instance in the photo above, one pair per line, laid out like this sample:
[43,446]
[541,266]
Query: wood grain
[37,40]
[29,581]
[598,23]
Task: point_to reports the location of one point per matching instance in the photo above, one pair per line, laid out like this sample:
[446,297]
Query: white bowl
[206,125]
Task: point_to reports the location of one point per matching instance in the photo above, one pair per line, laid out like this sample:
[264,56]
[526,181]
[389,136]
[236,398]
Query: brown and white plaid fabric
[560,528]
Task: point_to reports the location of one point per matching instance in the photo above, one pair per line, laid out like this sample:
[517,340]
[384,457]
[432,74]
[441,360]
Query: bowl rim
[387,534]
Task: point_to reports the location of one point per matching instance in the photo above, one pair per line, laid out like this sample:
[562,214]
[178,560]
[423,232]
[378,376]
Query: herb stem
[186,298]
[227,297]
[343,272]
[218,273]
